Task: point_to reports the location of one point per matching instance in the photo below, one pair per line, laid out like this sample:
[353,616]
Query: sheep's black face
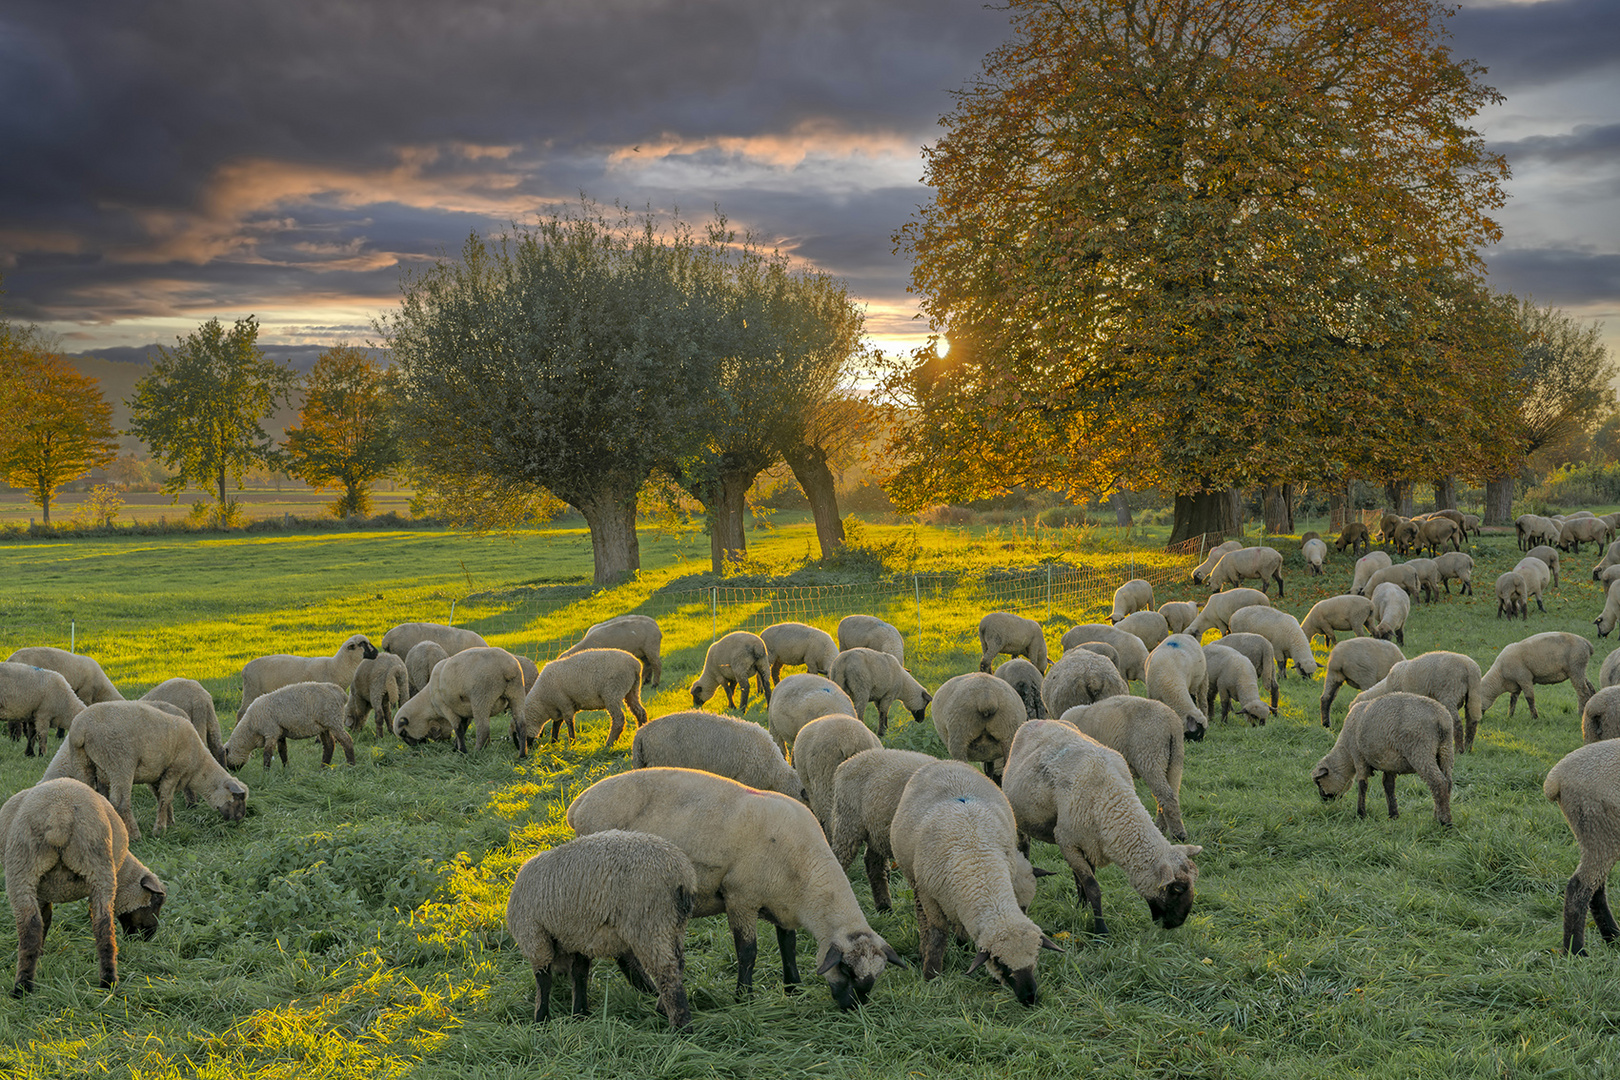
[848,991]
[1172,906]
[697,702]
[370,650]
[1194,728]
[144,919]
[1022,982]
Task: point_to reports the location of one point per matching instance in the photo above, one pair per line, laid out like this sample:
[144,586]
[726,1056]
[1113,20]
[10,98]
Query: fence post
[73,635]
[714,614]
[452,613]
[1048,592]
[917,592]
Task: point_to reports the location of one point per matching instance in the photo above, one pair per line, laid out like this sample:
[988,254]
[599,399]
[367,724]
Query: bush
[868,498]
[947,515]
[1061,516]
[1583,485]
[784,496]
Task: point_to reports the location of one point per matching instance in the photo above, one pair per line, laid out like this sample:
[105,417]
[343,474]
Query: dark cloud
[1557,275]
[1588,143]
[301,357]
[1527,45]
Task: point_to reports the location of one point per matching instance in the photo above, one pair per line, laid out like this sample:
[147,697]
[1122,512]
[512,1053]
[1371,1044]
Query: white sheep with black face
[269,673]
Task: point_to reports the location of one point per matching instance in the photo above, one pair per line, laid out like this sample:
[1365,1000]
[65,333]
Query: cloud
[1588,144]
[1526,45]
[1562,276]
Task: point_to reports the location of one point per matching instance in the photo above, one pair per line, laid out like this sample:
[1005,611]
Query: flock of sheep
[720,815]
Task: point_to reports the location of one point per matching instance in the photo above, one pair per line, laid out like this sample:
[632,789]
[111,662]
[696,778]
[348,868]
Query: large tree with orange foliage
[344,438]
[54,424]
[1192,244]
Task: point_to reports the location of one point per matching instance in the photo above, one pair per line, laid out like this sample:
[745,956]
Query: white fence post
[714,614]
[917,592]
[452,621]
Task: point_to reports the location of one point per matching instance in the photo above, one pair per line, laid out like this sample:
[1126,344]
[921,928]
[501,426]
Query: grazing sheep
[1354,536]
[637,635]
[867,675]
[1349,614]
[1129,648]
[1388,524]
[593,679]
[1539,659]
[1584,784]
[1133,596]
[307,710]
[731,662]
[797,643]
[1403,574]
[1150,626]
[1104,650]
[1450,678]
[1315,552]
[1262,655]
[37,699]
[956,840]
[1025,678]
[1510,595]
[1288,641]
[1080,677]
[114,745]
[381,686]
[269,673]
[866,790]
[719,744]
[1435,533]
[1393,734]
[1070,790]
[1601,717]
[1610,576]
[1232,676]
[1428,574]
[823,745]
[420,662]
[1458,565]
[1218,610]
[757,854]
[799,699]
[1471,524]
[1609,673]
[1003,632]
[193,699]
[1610,613]
[1611,557]
[1261,563]
[1176,676]
[63,842]
[1148,735]
[871,632]
[1548,555]
[1366,566]
[401,639]
[1216,553]
[466,689]
[621,894]
[1537,576]
[1178,615]
[90,684]
[1361,662]
[1391,607]
[976,716]
[1533,529]
[1572,534]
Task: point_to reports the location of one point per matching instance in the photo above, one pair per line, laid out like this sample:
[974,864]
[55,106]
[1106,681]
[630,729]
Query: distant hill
[118,378]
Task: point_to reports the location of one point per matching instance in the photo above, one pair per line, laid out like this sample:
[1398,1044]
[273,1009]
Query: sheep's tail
[685,902]
[1552,787]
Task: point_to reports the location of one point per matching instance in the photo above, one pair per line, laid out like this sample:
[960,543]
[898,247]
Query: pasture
[353,924]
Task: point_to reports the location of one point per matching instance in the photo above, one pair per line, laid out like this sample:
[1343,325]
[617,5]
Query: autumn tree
[54,424]
[344,438]
[1166,234]
[202,406]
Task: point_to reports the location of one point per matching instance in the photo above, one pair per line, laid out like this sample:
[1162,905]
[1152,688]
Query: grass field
[352,925]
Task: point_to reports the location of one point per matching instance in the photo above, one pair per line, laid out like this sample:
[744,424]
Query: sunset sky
[170,161]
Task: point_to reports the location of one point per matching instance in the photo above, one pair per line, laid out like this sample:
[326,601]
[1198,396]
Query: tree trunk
[1338,507]
[1280,509]
[1122,509]
[1398,496]
[222,496]
[1445,493]
[615,548]
[809,465]
[1212,514]
[1499,501]
[726,501]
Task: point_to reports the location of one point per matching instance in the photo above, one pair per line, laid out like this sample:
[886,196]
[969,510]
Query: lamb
[1282,630]
[1129,648]
[269,673]
[90,684]
[866,790]
[1611,557]
[1539,659]
[870,632]
[1150,626]
[824,745]
[1510,595]
[1025,678]
[1348,613]
[718,744]
[1548,555]
[1261,655]
[38,699]
[193,699]
[420,662]
[1262,563]
[1354,536]
[1450,678]
[1601,717]
[621,894]
[1537,575]
[1456,565]
[1080,677]
[799,699]
[1003,632]
[797,643]
[1393,734]
[976,716]
[468,687]
[1218,610]
[956,840]
[401,639]
[1068,789]
[306,710]
[1609,673]
[1178,615]
[637,635]
[1610,613]
[1315,552]
[867,675]
[114,745]
[63,842]
[1366,566]
[1176,676]
[1215,554]
[1133,596]
[1232,676]
[754,852]
[1361,662]
[1583,784]
[381,686]
[1391,607]
[1402,574]
[1148,735]
[731,662]
[593,679]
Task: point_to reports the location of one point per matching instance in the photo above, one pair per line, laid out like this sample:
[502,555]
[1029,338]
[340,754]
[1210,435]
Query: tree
[1166,235]
[54,424]
[344,438]
[201,407]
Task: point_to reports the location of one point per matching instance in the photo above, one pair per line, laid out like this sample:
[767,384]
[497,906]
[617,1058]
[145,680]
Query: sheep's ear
[978,961]
[1320,773]
[1189,850]
[1048,943]
[893,957]
[1040,873]
[834,957]
[150,882]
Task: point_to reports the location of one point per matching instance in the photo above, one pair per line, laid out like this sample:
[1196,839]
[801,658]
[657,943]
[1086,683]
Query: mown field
[352,925]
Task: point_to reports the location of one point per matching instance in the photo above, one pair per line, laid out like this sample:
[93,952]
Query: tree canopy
[344,438]
[54,423]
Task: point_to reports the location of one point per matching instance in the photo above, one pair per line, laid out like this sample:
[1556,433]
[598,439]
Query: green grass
[352,925]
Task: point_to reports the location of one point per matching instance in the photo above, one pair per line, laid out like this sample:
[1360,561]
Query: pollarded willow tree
[1166,234]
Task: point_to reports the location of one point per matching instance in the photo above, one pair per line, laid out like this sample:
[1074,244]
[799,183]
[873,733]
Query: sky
[166,162]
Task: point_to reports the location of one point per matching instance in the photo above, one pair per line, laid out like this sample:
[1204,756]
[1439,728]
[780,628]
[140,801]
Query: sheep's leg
[1513,703]
[1583,691]
[1389,795]
[931,935]
[328,744]
[1577,900]
[877,873]
[580,968]
[1431,773]
[1169,809]
[461,734]
[672,997]
[617,727]
[1091,893]
[1602,915]
[480,722]
[744,935]
[636,974]
[787,943]
[727,685]
[31,926]
[1278,577]
[1361,796]
[1529,700]
[121,793]
[347,742]
[383,715]
[281,748]
[1330,690]
[742,706]
[1400,636]
[101,922]
[884,705]
[542,994]
[269,753]
[164,790]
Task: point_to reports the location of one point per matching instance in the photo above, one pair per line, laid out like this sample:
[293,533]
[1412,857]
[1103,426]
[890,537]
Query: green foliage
[344,437]
[1585,485]
[54,424]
